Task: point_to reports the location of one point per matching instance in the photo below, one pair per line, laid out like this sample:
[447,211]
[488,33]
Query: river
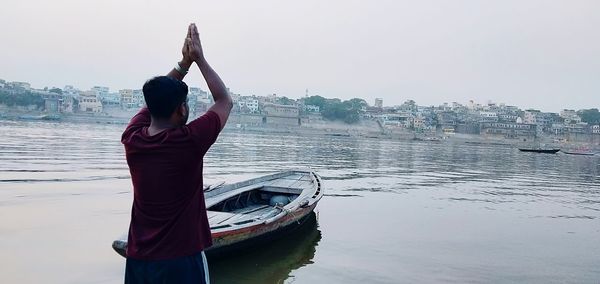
[393,211]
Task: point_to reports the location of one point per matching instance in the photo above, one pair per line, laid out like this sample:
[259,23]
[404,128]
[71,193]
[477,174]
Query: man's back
[168,218]
[169,228]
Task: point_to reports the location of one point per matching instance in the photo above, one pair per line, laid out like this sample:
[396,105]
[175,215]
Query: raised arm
[223,102]
[182,67]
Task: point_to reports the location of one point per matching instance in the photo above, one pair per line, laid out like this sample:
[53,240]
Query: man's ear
[182,110]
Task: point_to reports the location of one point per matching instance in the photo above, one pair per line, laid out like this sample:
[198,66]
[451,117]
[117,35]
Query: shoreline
[364,129]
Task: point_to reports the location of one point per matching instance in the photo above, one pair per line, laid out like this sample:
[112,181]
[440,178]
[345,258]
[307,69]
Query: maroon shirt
[168,218]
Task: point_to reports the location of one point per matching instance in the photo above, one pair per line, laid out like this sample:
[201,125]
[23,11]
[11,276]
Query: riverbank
[362,129]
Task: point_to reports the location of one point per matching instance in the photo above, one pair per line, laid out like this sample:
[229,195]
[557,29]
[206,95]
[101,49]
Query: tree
[21,99]
[315,101]
[352,117]
[410,105]
[357,103]
[56,91]
[285,101]
[335,109]
[591,116]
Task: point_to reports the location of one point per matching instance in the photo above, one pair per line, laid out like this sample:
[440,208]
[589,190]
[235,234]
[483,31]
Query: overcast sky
[542,54]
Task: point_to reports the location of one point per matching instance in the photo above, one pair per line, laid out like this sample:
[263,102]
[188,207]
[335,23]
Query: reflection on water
[408,210]
[272,262]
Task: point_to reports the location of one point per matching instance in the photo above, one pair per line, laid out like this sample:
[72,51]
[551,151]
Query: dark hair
[163,95]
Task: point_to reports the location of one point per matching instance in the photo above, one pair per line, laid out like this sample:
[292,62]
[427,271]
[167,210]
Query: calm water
[394,211]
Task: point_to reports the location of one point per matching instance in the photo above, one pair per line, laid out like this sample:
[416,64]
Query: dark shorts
[189,269]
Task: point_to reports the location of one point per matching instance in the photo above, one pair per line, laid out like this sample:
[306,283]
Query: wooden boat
[256,210]
[539,150]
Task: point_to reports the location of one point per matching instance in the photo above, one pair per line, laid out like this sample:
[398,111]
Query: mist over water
[393,211]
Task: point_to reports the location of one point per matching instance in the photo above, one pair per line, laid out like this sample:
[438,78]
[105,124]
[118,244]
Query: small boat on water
[255,210]
[579,151]
[40,117]
[540,150]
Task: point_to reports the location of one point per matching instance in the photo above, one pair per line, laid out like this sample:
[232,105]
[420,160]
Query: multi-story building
[379,102]
[89,102]
[505,117]
[576,128]
[248,105]
[100,91]
[275,114]
[570,116]
[530,116]
[595,129]
[508,130]
[67,105]
[488,116]
[138,98]
[447,118]
[127,99]
[111,99]
[543,120]
[399,120]
[21,85]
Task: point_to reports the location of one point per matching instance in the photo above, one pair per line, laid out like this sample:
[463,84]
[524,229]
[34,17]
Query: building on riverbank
[283,115]
[508,130]
[89,102]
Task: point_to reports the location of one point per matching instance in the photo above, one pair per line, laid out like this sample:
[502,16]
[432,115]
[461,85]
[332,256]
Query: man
[169,228]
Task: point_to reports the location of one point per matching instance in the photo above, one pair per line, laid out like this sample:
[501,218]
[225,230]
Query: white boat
[247,212]
[583,152]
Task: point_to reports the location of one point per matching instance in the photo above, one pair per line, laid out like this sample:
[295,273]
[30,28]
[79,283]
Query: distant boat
[579,151]
[338,134]
[40,117]
[249,212]
[429,139]
[539,150]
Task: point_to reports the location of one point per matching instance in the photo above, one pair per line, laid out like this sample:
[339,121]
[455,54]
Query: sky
[533,54]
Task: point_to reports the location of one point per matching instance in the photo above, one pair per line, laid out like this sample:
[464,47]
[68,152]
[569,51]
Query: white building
[311,108]
[530,116]
[248,104]
[570,116]
[488,116]
[127,99]
[596,129]
[397,120]
[138,98]
[89,102]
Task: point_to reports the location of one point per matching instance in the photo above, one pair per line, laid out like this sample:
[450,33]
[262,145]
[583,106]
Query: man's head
[166,99]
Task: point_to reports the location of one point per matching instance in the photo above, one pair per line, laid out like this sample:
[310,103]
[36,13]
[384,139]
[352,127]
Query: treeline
[21,99]
[336,109]
[591,116]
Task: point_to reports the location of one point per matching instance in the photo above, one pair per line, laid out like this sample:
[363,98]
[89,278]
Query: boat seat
[278,189]
[215,217]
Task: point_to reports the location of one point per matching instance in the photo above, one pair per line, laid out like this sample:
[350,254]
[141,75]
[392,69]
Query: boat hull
[229,241]
[232,237]
[256,240]
[545,151]
[229,235]
[580,153]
